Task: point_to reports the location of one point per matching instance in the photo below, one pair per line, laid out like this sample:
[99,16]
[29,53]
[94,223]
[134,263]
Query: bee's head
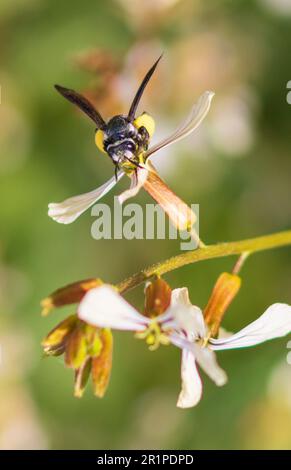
[118,136]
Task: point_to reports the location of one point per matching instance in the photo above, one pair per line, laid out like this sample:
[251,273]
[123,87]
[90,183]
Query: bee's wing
[82,104]
[198,113]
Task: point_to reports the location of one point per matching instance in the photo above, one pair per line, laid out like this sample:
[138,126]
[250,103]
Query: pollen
[99,140]
[145,120]
[153,336]
[150,339]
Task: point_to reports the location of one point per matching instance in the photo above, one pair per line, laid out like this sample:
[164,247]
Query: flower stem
[195,237]
[220,250]
[240,262]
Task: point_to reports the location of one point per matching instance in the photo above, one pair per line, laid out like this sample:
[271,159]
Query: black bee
[123,138]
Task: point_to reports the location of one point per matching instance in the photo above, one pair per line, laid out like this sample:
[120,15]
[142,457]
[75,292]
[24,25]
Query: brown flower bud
[157,297]
[54,343]
[223,293]
[70,294]
[81,377]
[177,210]
[86,348]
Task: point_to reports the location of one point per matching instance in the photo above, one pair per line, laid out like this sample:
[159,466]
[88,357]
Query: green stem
[220,250]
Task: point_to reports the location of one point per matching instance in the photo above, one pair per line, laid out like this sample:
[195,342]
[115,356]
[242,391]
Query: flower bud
[182,217]
[70,294]
[81,378]
[101,365]
[157,297]
[94,342]
[86,348]
[76,349]
[54,343]
[223,293]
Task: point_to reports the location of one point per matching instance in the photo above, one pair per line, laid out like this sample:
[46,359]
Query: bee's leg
[117,167]
[116,171]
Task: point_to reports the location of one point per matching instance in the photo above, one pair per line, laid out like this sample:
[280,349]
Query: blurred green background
[237,166]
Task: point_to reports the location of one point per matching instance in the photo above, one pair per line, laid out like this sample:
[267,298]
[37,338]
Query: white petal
[69,210]
[207,361]
[181,296]
[137,181]
[223,333]
[204,357]
[191,322]
[274,323]
[186,317]
[181,341]
[104,307]
[191,391]
[198,113]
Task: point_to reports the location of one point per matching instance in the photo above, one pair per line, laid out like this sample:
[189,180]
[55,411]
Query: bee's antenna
[82,103]
[134,105]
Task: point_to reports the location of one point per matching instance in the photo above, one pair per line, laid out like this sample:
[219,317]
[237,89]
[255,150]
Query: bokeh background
[237,166]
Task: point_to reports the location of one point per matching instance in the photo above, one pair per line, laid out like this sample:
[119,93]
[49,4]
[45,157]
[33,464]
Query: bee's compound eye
[145,120]
[99,140]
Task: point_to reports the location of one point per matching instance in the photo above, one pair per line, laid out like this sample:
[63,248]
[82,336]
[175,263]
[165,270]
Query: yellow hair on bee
[99,140]
[145,120]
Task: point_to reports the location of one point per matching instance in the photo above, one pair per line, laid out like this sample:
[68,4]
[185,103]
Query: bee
[124,139]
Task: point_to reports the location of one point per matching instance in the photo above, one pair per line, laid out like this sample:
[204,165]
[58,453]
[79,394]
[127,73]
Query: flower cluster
[168,318]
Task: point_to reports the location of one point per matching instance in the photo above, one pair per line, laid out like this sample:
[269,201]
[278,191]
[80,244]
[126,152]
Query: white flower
[182,324]
[69,210]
